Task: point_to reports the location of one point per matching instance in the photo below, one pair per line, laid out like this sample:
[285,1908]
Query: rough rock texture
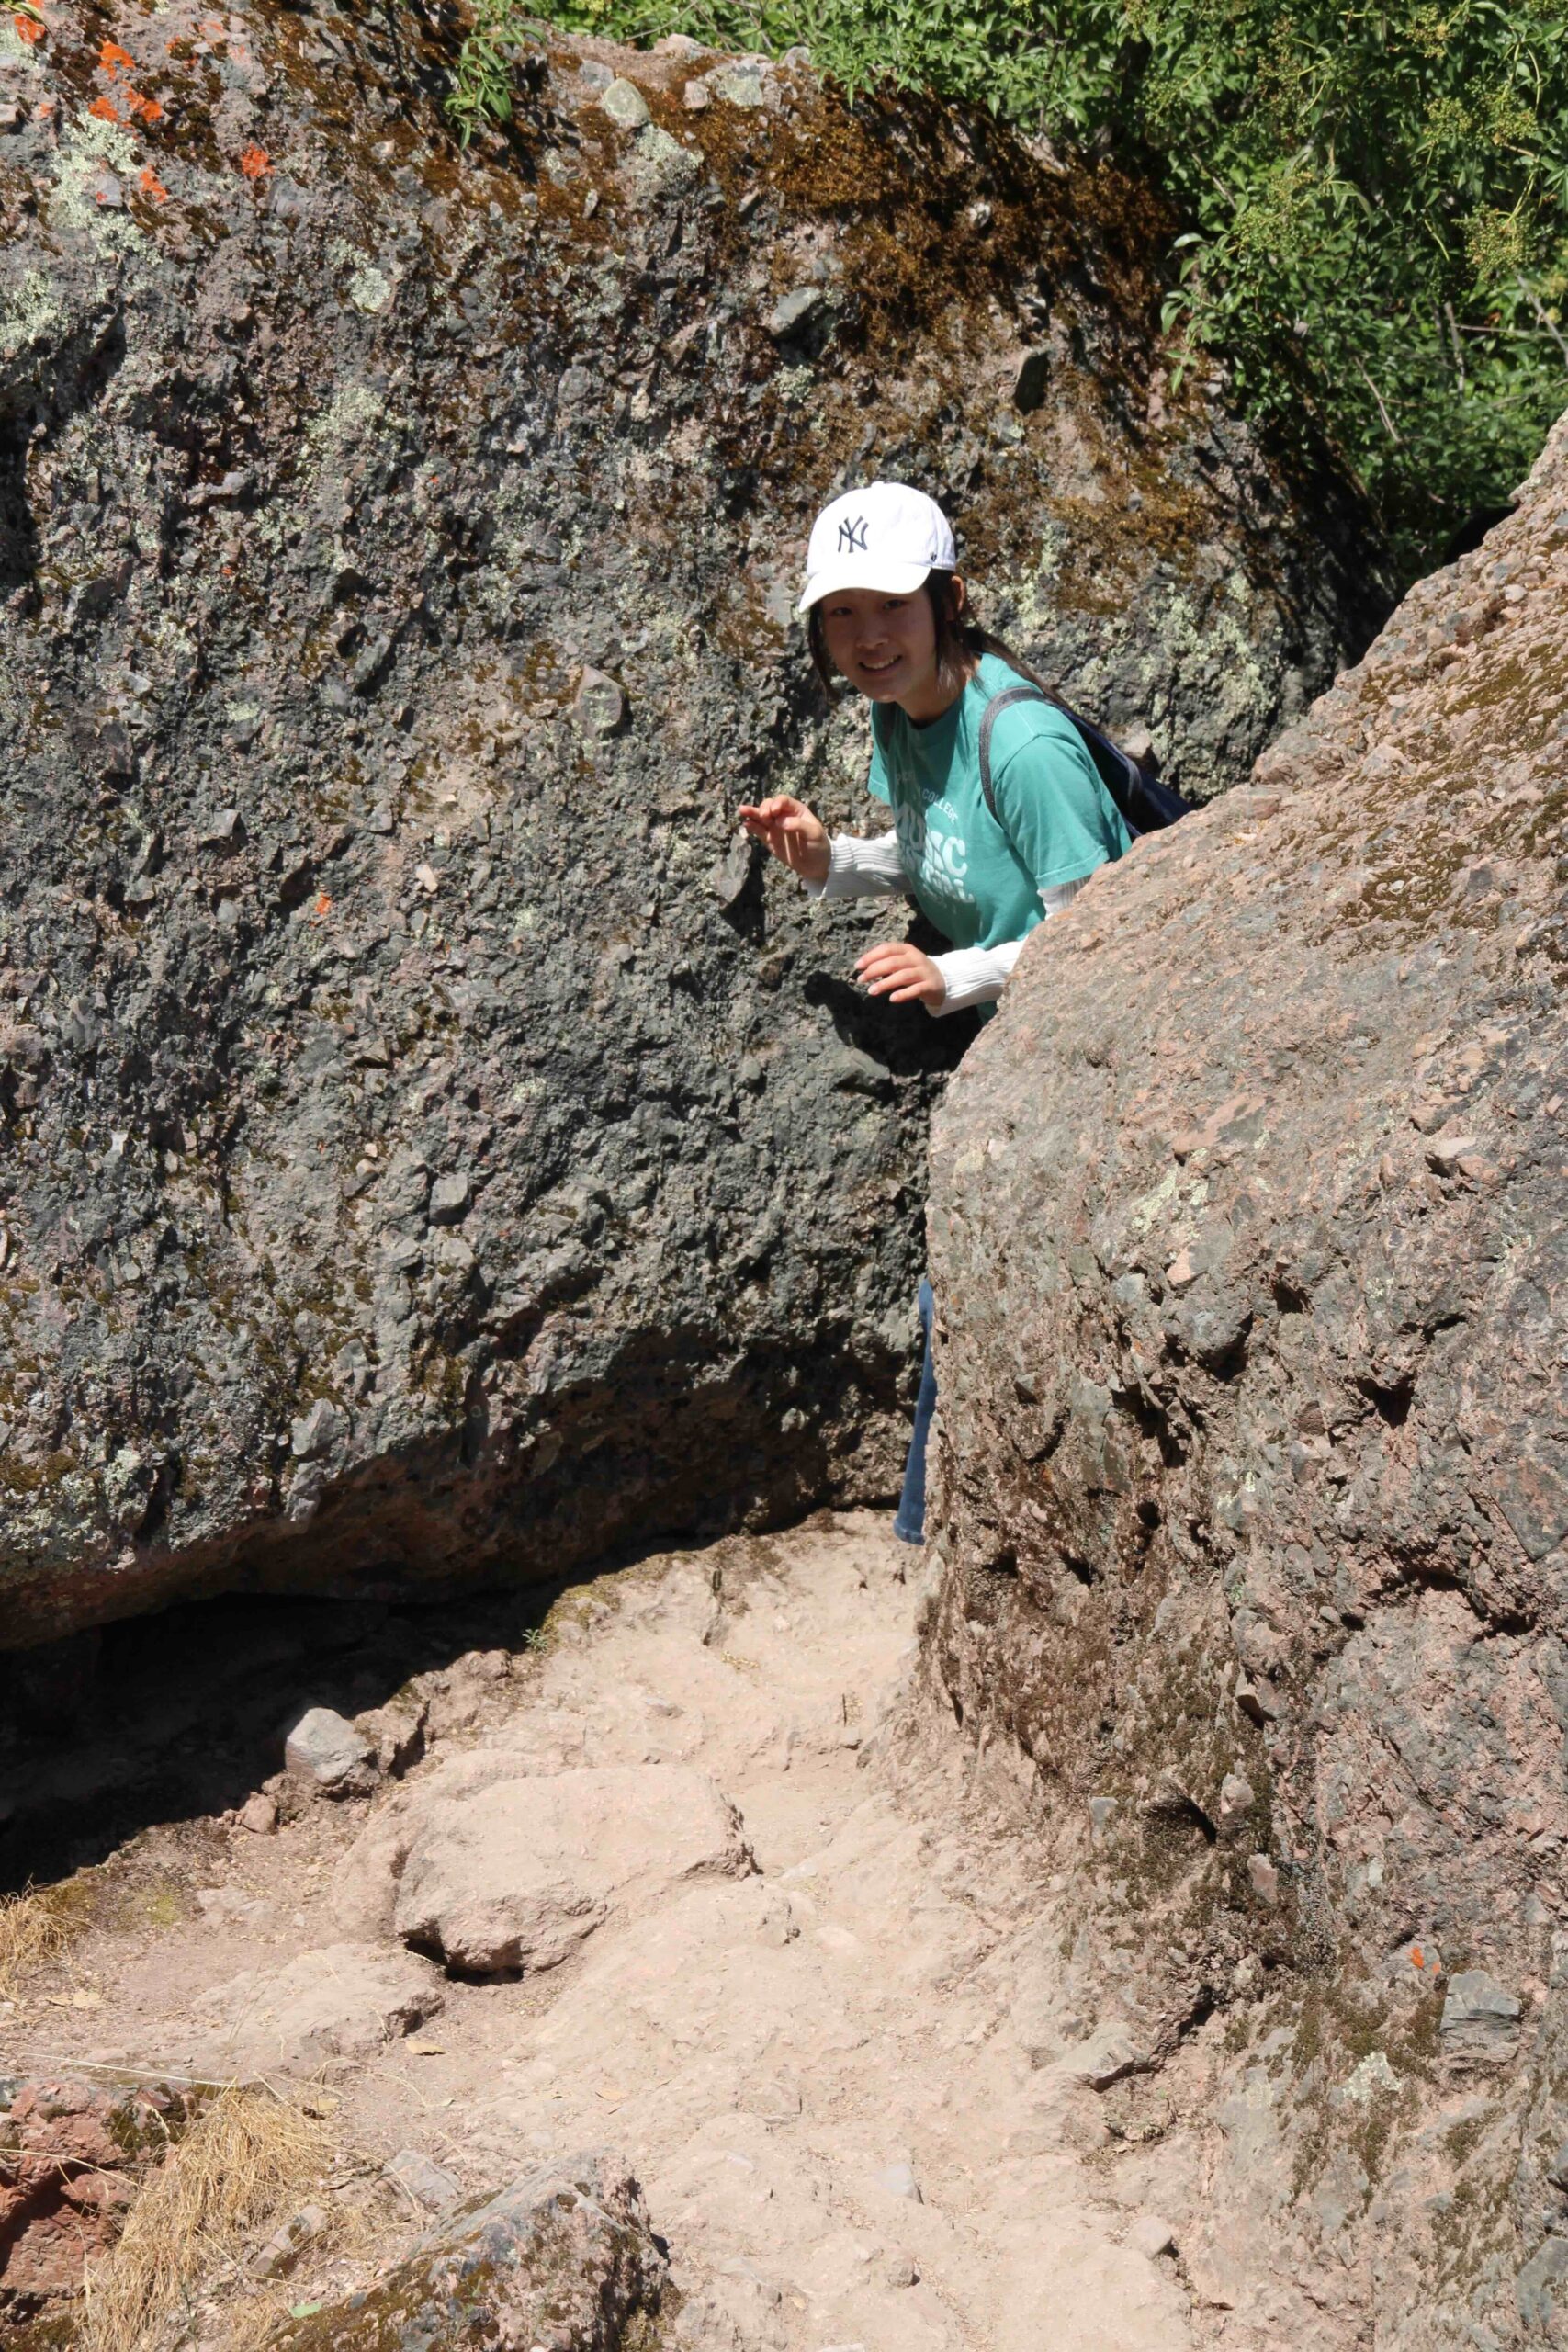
[563,2258]
[70,2153]
[1251,1257]
[431,1149]
[516,1875]
[343,2001]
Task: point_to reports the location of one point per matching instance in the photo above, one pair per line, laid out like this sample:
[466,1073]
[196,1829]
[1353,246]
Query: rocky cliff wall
[431,1148]
[1250,1244]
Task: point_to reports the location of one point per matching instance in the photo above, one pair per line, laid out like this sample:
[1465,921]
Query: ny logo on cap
[851,537]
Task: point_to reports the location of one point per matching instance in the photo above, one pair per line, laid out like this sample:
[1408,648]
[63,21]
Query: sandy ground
[838,2077]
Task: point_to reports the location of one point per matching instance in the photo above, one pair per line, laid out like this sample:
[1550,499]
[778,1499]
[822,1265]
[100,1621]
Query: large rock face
[1250,1244]
[430,1147]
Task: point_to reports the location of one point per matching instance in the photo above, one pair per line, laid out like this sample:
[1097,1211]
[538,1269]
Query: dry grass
[244,2163]
[36,1928]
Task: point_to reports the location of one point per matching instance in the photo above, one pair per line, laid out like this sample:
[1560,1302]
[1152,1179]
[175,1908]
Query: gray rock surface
[340,2002]
[326,1756]
[411,1169]
[564,2258]
[1250,1248]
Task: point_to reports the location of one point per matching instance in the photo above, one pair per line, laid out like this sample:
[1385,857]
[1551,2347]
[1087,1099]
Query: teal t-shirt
[976,876]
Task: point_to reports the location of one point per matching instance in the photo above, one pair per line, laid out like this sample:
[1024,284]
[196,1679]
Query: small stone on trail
[625,104]
[899,2271]
[258,1815]
[899,2180]
[329,1756]
[1108,2053]
[425,2181]
[1151,2236]
[283,2250]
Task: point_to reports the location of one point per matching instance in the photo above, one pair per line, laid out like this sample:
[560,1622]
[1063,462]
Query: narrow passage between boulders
[808,2001]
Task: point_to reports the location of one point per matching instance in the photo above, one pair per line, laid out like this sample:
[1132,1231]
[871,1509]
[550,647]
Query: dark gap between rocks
[179,1715]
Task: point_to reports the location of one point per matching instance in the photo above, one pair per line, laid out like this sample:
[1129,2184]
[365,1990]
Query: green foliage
[1374,197]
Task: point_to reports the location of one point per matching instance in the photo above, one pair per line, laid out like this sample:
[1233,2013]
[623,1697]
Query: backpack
[1146,805]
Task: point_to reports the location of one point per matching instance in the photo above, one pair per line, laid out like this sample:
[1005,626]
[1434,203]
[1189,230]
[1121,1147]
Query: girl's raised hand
[795,837]
[903,975]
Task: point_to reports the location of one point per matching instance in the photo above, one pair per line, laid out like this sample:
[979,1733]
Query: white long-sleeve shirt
[872,869]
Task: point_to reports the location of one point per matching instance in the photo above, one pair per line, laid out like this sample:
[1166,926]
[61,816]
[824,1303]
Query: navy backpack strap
[1144,802]
[1000,702]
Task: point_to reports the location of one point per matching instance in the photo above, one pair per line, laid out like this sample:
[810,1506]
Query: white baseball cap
[885,537]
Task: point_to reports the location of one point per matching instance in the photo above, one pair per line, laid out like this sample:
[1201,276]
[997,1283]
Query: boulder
[564,2258]
[514,1876]
[326,1756]
[1249,1237]
[341,2001]
[395,605]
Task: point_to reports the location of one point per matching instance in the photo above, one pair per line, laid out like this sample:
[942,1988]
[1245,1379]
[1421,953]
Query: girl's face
[885,647]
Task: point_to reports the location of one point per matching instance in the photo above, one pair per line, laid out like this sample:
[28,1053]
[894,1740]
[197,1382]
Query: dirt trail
[843,2079]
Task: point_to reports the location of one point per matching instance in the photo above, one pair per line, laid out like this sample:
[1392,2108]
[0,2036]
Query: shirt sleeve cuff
[859,869]
[976,975]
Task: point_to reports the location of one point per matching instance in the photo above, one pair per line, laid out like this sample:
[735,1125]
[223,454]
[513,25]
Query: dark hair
[960,643]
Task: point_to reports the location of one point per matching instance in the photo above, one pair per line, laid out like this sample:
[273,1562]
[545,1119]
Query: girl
[887,609]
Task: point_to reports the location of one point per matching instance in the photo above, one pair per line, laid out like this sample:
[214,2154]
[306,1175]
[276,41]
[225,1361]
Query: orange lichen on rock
[105,110]
[114,60]
[255,163]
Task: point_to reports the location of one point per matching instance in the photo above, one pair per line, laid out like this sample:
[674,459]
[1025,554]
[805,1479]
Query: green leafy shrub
[1374,197]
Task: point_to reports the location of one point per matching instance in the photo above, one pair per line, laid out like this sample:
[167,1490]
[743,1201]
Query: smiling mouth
[880,668]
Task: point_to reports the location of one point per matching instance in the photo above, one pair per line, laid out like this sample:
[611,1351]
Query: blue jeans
[911,1524]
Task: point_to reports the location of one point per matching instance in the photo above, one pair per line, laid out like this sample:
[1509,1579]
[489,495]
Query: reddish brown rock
[70,2153]
[1250,1243]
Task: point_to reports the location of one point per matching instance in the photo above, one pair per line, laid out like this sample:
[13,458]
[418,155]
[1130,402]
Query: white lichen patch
[28,314]
[370,290]
[93,159]
[1373,2074]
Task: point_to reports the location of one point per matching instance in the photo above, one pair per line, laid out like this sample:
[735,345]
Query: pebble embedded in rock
[600,703]
[1151,2236]
[790,315]
[734,870]
[324,1754]
[450,1199]
[1480,2023]
[258,1815]
[1263,1879]
[1236,1801]
[317,1432]
[625,104]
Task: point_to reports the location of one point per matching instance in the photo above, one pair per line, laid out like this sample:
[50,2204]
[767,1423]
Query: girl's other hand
[903,975]
[795,837]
